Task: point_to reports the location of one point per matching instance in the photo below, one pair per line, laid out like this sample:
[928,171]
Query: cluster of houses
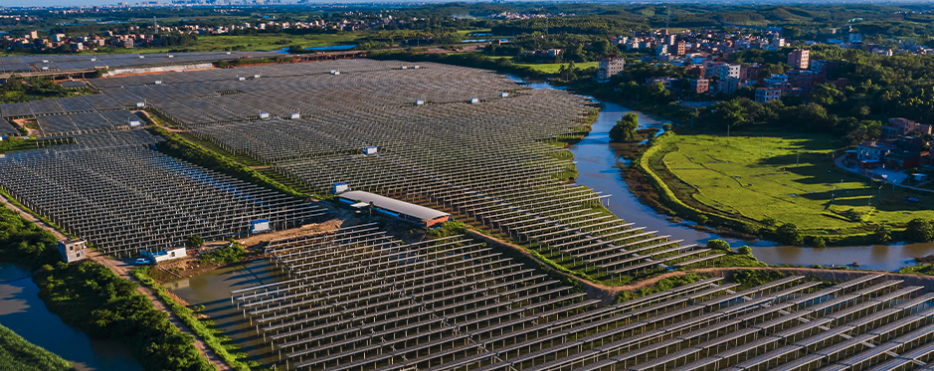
[134,36]
[901,147]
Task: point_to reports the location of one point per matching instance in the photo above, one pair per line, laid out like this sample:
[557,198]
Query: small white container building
[295,116]
[178,252]
[371,150]
[260,226]
[503,95]
[140,104]
[241,78]
[340,188]
[420,102]
[474,100]
[73,250]
[264,115]
[135,123]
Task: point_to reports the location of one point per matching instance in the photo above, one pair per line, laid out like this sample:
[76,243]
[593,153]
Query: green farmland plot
[789,178]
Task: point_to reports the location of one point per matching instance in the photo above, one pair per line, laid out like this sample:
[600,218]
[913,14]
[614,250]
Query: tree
[702,219]
[194,242]
[789,234]
[746,250]
[769,221]
[625,129]
[883,234]
[718,245]
[919,230]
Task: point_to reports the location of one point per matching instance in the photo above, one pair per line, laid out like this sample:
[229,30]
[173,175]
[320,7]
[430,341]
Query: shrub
[748,278]
[883,234]
[625,129]
[789,234]
[702,219]
[194,242]
[663,285]
[718,245]
[769,221]
[818,242]
[746,250]
[227,254]
[919,230]
[750,228]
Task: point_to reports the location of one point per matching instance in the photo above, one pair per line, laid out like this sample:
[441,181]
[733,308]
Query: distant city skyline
[71,3]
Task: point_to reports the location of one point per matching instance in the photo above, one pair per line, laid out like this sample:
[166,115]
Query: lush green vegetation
[18,354]
[763,181]
[200,325]
[17,89]
[749,278]
[662,285]
[91,297]
[227,254]
[625,128]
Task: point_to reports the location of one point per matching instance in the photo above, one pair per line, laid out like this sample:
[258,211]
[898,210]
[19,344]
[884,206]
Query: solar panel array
[355,299]
[121,196]
[87,122]
[92,61]
[84,103]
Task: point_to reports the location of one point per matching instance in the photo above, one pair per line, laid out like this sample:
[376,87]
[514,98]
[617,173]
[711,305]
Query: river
[25,313]
[595,160]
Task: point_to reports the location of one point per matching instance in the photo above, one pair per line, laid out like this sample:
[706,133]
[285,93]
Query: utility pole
[728,133]
[798,160]
[668,21]
[760,145]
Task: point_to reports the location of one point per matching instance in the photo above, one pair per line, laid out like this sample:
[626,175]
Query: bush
[750,228]
[919,230]
[818,242]
[625,128]
[769,221]
[883,234]
[663,285]
[194,242]
[227,254]
[702,219]
[789,234]
[745,250]
[718,245]
[749,278]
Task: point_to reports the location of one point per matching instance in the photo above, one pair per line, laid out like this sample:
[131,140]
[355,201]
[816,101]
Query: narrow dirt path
[123,269]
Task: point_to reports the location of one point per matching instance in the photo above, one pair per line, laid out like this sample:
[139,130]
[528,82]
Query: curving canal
[596,160]
[22,311]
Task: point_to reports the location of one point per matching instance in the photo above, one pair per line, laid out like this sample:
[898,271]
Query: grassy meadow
[763,176]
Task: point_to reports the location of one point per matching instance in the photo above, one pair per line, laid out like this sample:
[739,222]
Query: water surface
[596,160]
[22,311]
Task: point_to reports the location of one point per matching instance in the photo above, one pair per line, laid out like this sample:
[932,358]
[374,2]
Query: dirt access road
[122,269]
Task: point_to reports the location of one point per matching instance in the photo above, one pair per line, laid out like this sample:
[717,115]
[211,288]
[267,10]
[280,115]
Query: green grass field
[551,68]
[734,177]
